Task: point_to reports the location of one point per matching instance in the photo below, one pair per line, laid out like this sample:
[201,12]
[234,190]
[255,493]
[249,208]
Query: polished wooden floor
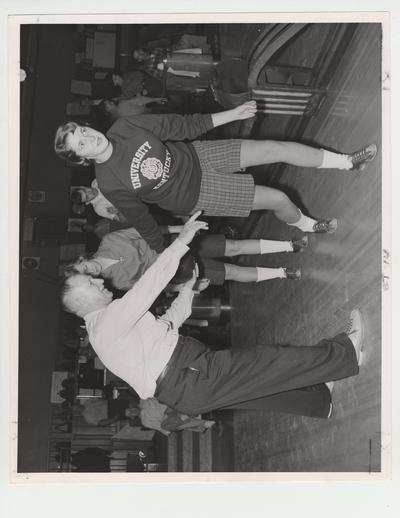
[340,271]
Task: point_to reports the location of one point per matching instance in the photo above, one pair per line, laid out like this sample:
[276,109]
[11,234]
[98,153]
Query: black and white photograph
[225,315]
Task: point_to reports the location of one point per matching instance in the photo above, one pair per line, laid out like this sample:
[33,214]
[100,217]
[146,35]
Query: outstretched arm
[181,127]
[244,111]
[124,312]
[169,126]
[181,308]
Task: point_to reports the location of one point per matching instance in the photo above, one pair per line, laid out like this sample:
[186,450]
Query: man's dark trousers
[199,380]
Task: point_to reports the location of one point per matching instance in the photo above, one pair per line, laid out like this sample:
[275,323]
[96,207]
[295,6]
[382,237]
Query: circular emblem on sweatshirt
[151,168]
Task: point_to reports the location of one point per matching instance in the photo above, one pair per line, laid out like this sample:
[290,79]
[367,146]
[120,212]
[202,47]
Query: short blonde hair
[60,144]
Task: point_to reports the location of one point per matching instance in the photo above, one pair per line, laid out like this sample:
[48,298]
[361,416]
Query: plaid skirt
[222,192]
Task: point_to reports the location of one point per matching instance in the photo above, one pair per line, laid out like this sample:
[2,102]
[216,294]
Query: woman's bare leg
[234,247]
[267,198]
[249,273]
[258,152]
[258,274]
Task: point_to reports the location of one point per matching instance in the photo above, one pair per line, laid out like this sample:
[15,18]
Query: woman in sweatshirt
[157,159]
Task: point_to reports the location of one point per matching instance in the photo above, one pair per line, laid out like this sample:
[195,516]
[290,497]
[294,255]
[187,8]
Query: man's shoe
[360,158]
[300,244]
[293,274]
[355,331]
[325,226]
[330,384]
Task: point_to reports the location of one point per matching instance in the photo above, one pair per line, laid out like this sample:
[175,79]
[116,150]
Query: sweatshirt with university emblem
[153,162]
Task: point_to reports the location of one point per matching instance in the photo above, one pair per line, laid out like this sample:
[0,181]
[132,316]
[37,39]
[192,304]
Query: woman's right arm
[244,111]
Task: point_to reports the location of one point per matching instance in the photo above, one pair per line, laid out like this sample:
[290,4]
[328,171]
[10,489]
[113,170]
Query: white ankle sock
[304,223]
[265,274]
[335,161]
[269,246]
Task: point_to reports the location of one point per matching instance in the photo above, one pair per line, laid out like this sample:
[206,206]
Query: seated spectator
[102,207]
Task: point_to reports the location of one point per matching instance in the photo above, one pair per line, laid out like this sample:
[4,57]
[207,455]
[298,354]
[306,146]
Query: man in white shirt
[99,202]
[148,353]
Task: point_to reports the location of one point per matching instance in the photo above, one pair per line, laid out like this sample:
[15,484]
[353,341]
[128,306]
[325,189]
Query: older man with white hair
[150,355]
